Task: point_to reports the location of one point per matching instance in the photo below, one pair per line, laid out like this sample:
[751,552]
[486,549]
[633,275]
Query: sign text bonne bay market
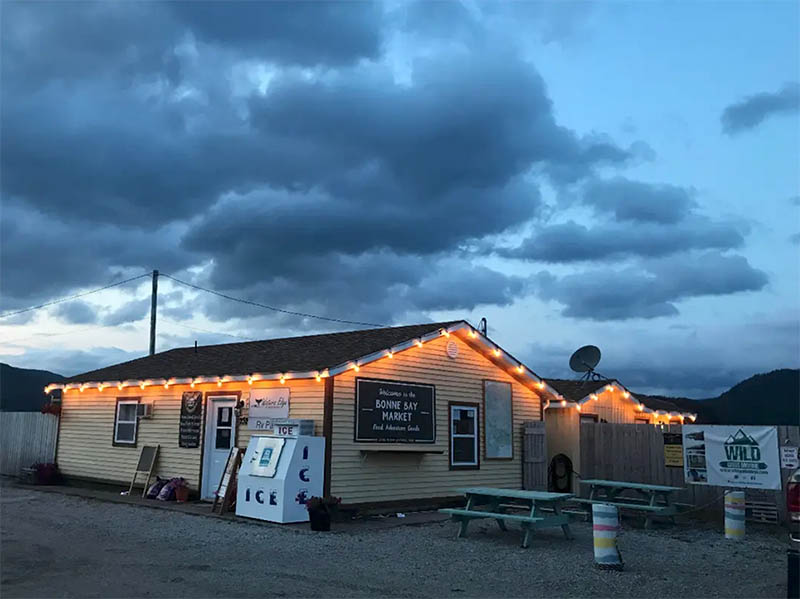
[395,412]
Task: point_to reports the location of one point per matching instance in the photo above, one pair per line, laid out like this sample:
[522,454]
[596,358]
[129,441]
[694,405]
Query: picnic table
[495,504]
[652,500]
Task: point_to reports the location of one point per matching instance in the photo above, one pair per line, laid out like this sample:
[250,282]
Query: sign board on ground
[732,456]
[191,419]
[395,412]
[673,450]
[266,405]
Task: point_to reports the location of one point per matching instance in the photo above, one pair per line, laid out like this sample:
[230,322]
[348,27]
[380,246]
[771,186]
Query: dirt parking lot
[59,546]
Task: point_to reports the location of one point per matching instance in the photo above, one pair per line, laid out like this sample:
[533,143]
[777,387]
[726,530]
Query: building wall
[388,476]
[612,406]
[563,431]
[86,432]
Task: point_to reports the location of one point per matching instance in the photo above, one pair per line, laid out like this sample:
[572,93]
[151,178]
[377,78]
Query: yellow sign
[673,450]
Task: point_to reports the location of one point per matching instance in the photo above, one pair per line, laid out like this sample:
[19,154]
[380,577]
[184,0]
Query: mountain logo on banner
[742,453]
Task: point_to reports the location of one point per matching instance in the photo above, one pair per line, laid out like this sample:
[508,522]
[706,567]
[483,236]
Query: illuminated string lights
[283,380]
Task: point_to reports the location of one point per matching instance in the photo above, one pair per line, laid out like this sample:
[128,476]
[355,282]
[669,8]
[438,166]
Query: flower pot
[319,519]
[181,494]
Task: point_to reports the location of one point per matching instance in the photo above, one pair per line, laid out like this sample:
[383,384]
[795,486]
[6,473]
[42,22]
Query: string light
[283,379]
[318,377]
[563,402]
[472,333]
[594,396]
[166,385]
[626,395]
[142,385]
[249,380]
[390,355]
[520,369]
[100,387]
[219,382]
[540,384]
[496,352]
[445,333]
[192,384]
[419,342]
[119,386]
[610,388]
[81,388]
[640,407]
[578,407]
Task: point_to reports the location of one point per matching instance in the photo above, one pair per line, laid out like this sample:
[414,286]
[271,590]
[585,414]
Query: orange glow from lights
[626,395]
[283,380]
[593,396]
[540,385]
[319,378]
[563,402]
[496,352]
[577,407]
[419,342]
[356,368]
[249,380]
[166,385]
[473,334]
[192,385]
[119,386]
[390,355]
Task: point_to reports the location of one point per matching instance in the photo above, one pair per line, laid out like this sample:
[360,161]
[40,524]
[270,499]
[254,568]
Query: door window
[224,426]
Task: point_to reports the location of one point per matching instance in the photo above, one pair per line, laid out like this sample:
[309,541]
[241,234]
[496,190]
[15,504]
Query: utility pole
[153,303]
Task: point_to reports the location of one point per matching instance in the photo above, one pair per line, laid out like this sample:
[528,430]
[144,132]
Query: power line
[273,308]
[198,329]
[72,297]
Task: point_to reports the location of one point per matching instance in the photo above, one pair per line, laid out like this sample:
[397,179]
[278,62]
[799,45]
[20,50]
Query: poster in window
[191,420]
[498,420]
[395,412]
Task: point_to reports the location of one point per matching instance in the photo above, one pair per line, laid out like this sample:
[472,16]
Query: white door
[219,438]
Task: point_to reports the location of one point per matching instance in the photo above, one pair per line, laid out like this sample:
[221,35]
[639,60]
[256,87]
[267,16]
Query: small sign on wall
[266,405]
[673,450]
[789,459]
[191,419]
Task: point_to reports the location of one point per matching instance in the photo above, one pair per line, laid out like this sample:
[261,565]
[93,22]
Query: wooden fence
[26,438]
[635,453]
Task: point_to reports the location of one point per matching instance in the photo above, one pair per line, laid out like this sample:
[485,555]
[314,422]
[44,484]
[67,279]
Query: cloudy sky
[623,174]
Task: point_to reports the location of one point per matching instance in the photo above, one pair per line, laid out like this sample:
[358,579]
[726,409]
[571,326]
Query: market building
[409,414]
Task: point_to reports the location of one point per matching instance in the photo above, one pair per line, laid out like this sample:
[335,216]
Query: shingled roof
[573,390]
[307,353]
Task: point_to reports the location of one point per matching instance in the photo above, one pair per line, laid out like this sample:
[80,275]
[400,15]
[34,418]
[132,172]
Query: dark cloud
[571,242]
[76,312]
[287,32]
[43,257]
[638,202]
[128,312]
[753,110]
[652,290]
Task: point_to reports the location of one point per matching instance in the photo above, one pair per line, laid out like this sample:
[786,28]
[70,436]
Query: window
[463,437]
[224,426]
[588,417]
[641,421]
[125,422]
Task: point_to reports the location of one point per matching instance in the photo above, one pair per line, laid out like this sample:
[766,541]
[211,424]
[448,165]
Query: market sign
[266,405]
[673,450]
[393,412]
[732,456]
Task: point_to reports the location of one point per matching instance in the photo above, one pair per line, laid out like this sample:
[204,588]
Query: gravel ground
[59,546]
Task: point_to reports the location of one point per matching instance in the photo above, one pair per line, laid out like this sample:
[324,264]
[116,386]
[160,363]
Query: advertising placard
[789,459]
[266,405]
[732,456]
[191,419]
[673,450]
[394,412]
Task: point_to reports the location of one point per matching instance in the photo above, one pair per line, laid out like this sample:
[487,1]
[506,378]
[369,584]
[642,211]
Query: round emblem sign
[452,349]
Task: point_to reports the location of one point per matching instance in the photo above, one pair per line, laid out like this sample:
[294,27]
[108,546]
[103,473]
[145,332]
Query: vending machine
[280,471]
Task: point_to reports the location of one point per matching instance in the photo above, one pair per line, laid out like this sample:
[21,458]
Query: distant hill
[22,389]
[769,398]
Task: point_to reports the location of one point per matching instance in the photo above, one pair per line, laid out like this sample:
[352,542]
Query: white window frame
[135,422]
[475,435]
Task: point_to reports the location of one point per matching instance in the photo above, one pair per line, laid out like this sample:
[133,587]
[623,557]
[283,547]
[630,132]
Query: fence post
[734,514]
[605,520]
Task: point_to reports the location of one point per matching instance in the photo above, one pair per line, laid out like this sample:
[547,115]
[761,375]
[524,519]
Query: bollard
[734,514]
[605,527]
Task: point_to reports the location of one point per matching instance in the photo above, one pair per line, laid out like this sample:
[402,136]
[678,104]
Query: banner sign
[673,450]
[191,420]
[266,405]
[392,412]
[732,456]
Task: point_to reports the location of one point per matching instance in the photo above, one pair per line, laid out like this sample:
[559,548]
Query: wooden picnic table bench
[652,500]
[496,502]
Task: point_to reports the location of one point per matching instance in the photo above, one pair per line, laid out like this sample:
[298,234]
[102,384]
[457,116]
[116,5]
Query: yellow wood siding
[612,406]
[377,477]
[86,431]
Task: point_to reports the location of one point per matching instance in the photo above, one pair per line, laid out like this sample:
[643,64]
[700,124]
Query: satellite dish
[585,359]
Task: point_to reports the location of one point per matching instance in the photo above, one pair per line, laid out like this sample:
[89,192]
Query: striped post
[734,514]
[606,525]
